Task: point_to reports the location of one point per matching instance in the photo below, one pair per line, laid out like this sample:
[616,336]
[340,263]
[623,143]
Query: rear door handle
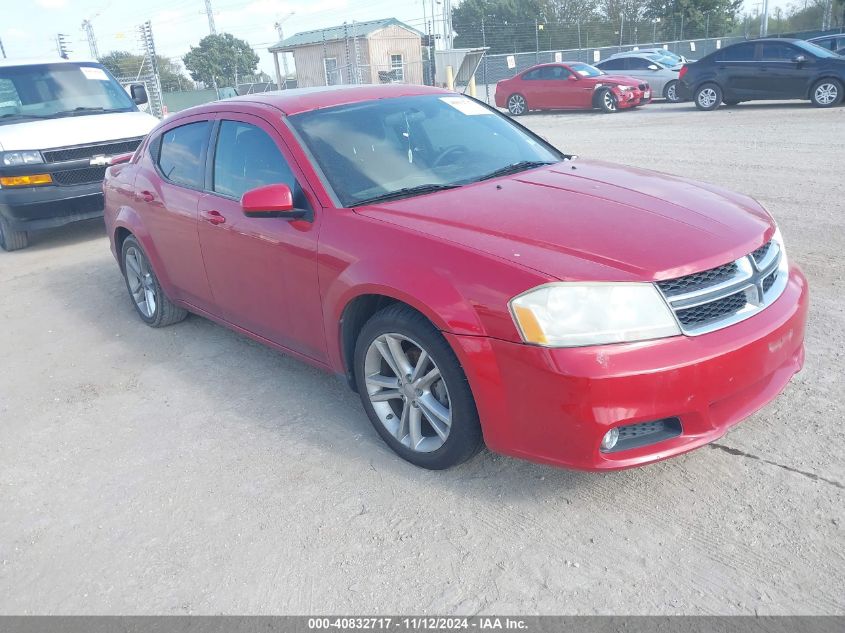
[214,217]
[147,196]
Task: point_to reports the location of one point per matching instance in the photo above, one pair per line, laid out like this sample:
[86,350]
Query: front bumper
[555,405]
[632,98]
[47,206]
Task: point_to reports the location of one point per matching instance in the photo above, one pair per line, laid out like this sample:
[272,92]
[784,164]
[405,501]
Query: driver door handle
[214,217]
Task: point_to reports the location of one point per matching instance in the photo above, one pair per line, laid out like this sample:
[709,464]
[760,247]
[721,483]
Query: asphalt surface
[190,470]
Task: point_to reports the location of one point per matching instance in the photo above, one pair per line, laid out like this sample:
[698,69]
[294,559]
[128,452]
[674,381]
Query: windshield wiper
[514,168]
[85,110]
[405,192]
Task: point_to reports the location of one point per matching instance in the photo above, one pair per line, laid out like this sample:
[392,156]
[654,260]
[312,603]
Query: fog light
[609,440]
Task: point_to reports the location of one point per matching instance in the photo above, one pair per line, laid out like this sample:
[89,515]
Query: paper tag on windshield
[465,106]
[93,73]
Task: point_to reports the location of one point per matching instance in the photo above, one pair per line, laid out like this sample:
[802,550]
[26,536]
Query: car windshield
[585,70]
[46,91]
[815,49]
[406,146]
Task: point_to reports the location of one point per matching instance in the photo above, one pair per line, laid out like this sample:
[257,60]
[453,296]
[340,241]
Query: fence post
[484,61]
[536,42]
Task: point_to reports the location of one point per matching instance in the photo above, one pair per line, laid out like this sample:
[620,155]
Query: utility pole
[281,34]
[764,19]
[621,28]
[92,41]
[61,45]
[536,42]
[209,11]
[2,50]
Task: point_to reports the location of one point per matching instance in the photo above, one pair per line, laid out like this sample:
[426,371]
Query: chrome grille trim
[760,276]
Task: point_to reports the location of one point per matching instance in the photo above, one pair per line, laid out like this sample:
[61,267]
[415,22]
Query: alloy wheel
[516,104]
[609,101]
[407,392]
[141,282]
[826,93]
[671,93]
[707,97]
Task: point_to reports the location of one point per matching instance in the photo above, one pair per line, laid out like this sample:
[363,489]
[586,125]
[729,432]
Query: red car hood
[591,220]
[618,80]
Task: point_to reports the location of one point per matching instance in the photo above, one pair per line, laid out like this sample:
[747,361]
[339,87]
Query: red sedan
[569,86]
[471,282]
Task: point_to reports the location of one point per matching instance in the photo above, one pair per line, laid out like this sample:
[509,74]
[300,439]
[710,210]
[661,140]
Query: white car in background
[61,122]
[649,67]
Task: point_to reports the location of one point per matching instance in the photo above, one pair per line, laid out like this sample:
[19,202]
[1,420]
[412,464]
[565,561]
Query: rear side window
[738,53]
[639,63]
[181,156]
[613,64]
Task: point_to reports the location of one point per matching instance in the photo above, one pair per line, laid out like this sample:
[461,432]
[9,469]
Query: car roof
[297,100]
[37,61]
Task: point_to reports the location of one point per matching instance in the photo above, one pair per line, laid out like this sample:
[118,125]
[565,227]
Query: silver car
[652,68]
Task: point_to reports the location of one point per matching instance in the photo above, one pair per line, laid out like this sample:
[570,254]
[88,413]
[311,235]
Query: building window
[332,71]
[397,68]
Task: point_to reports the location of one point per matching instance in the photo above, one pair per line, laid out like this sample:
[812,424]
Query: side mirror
[138,93]
[271,201]
[653,67]
[799,59]
[573,77]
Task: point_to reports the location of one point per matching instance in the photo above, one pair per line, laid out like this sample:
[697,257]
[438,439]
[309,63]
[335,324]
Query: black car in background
[765,69]
[835,43]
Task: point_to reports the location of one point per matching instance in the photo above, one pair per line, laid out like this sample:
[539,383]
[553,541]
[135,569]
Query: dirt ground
[190,470]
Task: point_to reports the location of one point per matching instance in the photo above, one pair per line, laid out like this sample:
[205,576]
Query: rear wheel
[606,101]
[414,390]
[517,105]
[826,93]
[708,97]
[670,92]
[152,305]
[11,240]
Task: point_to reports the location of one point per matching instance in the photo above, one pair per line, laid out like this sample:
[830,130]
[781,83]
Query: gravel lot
[190,470]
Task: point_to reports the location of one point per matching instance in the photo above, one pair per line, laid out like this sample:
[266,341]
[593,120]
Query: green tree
[220,58]
[126,64]
[700,17]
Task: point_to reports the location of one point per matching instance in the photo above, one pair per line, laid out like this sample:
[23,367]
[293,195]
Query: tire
[139,274]
[12,240]
[670,92]
[731,103]
[708,97]
[409,414]
[517,105]
[826,93]
[606,101]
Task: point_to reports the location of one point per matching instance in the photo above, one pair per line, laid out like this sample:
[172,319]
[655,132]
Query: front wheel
[414,390]
[708,97]
[11,240]
[151,304]
[670,92]
[517,105]
[826,93]
[607,101]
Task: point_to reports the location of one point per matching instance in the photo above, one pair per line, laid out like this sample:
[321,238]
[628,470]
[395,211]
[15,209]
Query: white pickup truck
[60,122]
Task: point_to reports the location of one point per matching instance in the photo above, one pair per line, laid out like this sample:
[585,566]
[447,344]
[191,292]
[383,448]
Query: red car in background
[569,86]
[465,277]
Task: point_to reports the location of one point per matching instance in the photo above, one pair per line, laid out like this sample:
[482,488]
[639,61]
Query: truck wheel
[12,240]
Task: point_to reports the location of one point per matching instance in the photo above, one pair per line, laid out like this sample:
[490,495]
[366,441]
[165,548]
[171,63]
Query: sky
[178,24]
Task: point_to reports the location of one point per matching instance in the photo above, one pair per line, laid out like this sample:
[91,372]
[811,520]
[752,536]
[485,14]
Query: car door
[651,72]
[532,87]
[167,188]
[262,271]
[562,88]
[781,76]
[737,70]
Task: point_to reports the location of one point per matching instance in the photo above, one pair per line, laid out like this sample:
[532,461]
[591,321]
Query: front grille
[79,176]
[712,311]
[715,298]
[87,151]
[696,281]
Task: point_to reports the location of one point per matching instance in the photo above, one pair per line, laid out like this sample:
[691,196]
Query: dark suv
[765,69]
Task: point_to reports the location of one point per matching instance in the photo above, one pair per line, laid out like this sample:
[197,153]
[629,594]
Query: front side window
[48,91]
[613,64]
[247,158]
[181,155]
[376,148]
[778,52]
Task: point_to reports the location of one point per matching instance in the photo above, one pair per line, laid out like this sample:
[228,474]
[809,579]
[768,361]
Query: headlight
[623,88]
[573,314]
[12,159]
